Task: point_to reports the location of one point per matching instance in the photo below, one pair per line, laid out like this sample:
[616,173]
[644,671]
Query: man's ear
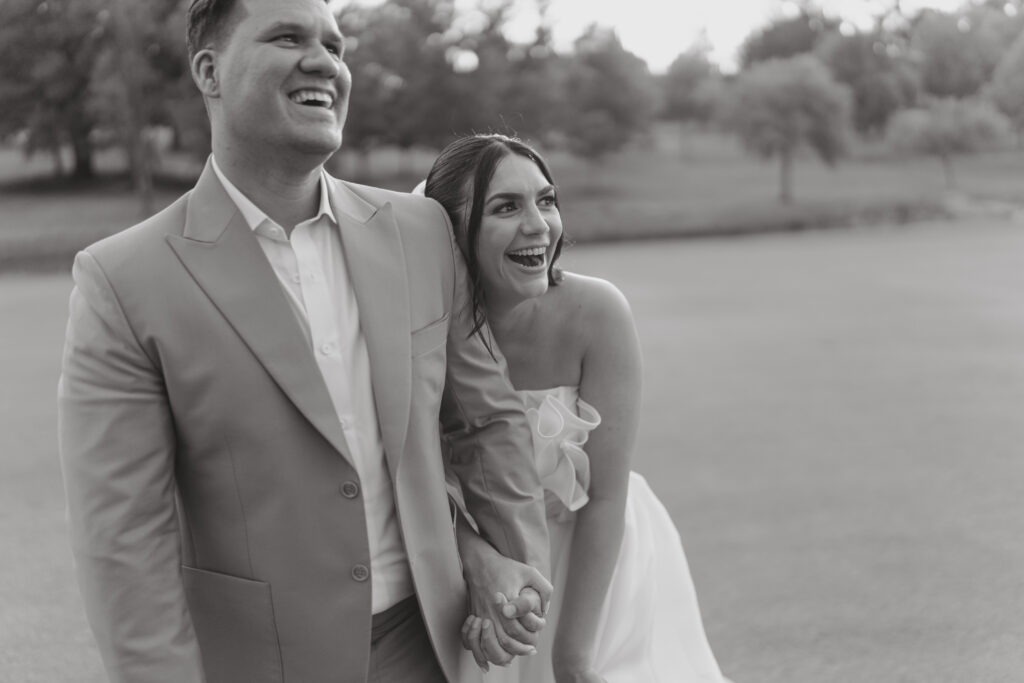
[204,73]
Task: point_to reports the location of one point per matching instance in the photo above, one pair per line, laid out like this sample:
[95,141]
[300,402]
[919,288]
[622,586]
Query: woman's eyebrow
[516,195]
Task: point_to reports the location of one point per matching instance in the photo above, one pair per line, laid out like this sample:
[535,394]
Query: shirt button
[360,572]
[350,489]
[327,348]
[296,278]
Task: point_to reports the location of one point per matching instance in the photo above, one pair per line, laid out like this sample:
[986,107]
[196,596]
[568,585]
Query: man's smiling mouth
[312,98]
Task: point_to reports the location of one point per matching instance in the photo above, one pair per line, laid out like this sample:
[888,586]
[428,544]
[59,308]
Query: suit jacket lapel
[223,256]
[376,266]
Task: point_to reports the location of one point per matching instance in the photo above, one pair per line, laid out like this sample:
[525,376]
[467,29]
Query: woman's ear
[204,73]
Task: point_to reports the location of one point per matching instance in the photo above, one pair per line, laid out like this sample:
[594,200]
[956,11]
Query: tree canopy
[781,105]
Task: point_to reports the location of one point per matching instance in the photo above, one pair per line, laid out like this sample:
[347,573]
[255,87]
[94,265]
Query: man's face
[283,86]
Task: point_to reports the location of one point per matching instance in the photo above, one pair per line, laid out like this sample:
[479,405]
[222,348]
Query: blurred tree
[1007,87]
[47,53]
[780,105]
[880,83]
[690,86]
[404,89]
[787,36]
[955,55]
[516,88]
[949,128]
[138,72]
[532,97]
[609,94]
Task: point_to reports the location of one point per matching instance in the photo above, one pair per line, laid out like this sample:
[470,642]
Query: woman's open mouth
[531,257]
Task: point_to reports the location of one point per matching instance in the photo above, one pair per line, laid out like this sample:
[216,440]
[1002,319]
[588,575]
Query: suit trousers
[400,649]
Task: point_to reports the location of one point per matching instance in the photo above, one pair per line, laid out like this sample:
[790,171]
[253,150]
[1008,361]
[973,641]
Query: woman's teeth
[531,257]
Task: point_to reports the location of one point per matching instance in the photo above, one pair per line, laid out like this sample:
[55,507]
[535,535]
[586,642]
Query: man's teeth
[532,256]
[314,97]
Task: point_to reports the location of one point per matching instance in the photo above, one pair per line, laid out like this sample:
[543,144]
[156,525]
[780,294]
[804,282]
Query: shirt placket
[323,325]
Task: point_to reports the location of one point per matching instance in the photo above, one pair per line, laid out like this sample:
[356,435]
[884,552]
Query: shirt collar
[254,215]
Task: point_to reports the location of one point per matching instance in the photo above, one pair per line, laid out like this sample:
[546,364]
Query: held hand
[501,629]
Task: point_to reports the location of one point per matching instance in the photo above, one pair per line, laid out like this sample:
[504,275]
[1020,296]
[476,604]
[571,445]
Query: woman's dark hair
[459,179]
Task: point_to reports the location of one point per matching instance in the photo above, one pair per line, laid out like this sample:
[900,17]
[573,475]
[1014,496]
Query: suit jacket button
[350,489]
[360,572]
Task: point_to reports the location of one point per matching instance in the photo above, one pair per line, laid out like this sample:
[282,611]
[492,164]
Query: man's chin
[322,145]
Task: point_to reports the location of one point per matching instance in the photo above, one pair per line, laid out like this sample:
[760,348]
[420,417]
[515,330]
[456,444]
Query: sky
[659,30]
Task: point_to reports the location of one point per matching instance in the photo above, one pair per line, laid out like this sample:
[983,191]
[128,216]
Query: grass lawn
[832,418]
[693,183]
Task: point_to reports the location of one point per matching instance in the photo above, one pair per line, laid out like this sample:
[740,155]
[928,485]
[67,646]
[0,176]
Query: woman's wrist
[567,664]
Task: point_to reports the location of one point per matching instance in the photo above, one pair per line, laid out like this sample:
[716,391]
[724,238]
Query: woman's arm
[499,635]
[611,382]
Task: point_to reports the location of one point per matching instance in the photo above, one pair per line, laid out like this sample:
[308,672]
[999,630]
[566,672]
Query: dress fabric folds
[650,627]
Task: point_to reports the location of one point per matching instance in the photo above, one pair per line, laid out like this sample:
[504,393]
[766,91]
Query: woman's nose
[534,223]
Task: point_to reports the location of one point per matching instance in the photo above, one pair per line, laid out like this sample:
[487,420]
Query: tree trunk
[58,161]
[82,149]
[135,135]
[947,168]
[786,176]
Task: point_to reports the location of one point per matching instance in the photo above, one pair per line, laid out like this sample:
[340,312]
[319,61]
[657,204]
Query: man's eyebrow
[334,37]
[291,26]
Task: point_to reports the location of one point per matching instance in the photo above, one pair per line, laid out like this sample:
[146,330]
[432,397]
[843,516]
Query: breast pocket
[430,336]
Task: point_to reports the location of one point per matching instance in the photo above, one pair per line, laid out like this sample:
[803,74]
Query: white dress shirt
[311,268]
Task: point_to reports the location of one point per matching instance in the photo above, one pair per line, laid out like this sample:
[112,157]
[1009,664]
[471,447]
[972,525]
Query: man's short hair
[208,22]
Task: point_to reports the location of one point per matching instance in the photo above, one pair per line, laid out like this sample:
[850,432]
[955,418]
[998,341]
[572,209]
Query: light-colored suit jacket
[215,515]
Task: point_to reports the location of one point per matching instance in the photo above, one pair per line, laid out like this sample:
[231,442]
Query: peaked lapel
[222,254]
[376,265]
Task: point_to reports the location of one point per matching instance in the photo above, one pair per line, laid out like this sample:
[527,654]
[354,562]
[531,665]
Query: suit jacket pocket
[234,623]
[430,336]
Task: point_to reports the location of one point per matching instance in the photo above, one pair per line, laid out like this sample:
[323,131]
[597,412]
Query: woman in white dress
[624,607]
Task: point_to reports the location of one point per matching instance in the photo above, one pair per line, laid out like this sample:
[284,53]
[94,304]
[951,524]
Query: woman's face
[519,228]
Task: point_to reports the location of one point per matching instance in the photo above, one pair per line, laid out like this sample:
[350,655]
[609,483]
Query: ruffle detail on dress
[559,434]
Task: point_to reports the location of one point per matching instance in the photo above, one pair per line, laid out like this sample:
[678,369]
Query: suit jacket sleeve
[489,437]
[117,455]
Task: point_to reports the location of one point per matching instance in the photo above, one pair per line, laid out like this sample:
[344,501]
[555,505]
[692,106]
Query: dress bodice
[561,422]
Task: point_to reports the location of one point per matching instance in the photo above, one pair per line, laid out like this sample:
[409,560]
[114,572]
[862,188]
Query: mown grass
[674,183]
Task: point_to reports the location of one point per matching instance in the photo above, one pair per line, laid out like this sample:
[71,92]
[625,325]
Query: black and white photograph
[512,341]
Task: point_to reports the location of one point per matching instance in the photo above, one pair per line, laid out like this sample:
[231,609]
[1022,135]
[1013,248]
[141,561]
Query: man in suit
[250,399]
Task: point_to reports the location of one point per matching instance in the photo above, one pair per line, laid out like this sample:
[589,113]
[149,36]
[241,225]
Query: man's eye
[334,50]
[288,38]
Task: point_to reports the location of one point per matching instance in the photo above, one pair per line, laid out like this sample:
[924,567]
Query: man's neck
[287,194]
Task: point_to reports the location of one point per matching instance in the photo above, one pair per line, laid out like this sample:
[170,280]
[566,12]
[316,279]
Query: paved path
[833,419]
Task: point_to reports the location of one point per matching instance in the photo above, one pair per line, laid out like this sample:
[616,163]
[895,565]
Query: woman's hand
[498,629]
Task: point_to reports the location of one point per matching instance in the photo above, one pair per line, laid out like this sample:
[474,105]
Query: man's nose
[319,60]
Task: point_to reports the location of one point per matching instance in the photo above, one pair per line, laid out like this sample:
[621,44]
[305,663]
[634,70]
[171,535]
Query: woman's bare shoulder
[595,299]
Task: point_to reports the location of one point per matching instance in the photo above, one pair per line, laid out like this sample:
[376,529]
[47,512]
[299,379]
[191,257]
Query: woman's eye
[549,201]
[505,207]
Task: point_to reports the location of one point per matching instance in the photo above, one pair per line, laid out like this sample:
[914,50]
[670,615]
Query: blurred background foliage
[81,78]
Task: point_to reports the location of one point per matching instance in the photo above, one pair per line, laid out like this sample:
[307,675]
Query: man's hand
[498,628]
